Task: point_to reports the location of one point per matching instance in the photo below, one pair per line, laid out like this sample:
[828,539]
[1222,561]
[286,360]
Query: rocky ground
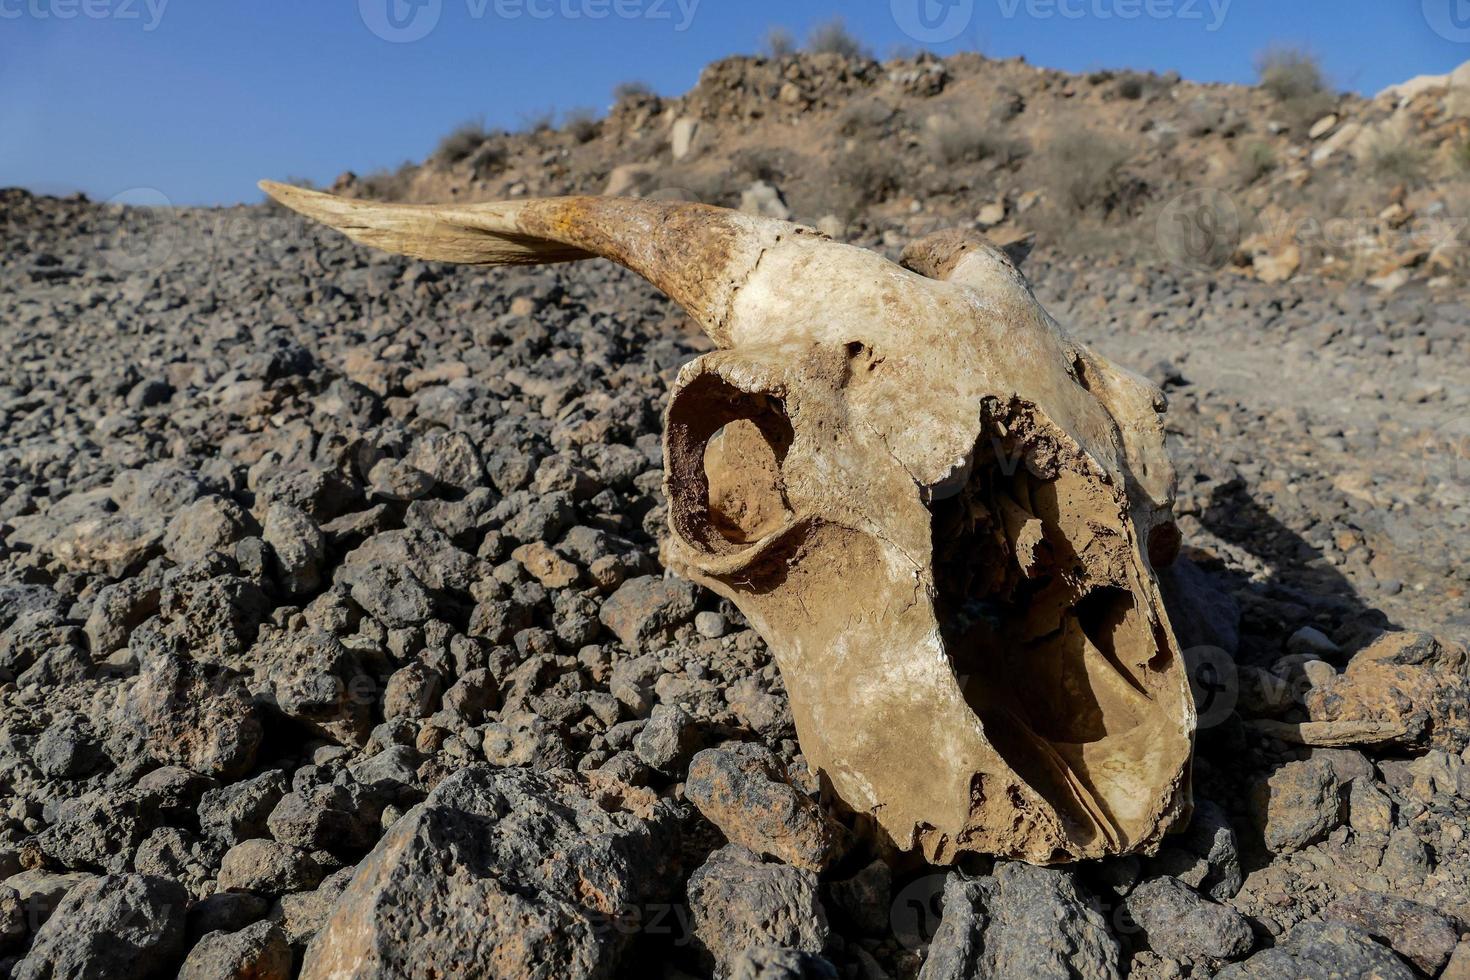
[331,619]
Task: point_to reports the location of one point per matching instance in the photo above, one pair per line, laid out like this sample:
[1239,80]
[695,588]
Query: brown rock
[1406,681]
[195,715]
[743,790]
[549,568]
[257,952]
[1415,931]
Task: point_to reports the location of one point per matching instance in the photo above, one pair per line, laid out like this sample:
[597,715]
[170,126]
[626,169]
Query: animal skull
[939,510]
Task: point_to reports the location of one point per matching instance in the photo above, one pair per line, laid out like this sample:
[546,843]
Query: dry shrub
[632,90]
[1289,73]
[582,124]
[1295,80]
[388,185]
[1132,85]
[1393,155]
[865,116]
[968,137]
[833,37]
[1255,160]
[1082,170]
[779,43]
[1460,158]
[857,178]
[465,139]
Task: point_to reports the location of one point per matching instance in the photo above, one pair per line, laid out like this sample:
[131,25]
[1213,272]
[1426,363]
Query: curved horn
[697,254]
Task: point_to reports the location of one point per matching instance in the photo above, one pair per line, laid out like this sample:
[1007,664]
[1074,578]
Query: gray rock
[195,715]
[1415,931]
[314,680]
[208,524]
[392,594]
[668,741]
[1321,951]
[394,479]
[257,952]
[268,867]
[1348,764]
[450,458]
[19,600]
[1178,923]
[341,816]
[499,867]
[1297,805]
[298,545]
[390,771]
[1370,811]
[737,901]
[238,811]
[475,693]
[1310,640]
[778,963]
[1206,856]
[1405,859]
[224,912]
[100,829]
[212,617]
[766,713]
[865,898]
[35,636]
[646,609]
[172,852]
[301,915]
[710,625]
[28,899]
[67,749]
[116,612]
[1022,921]
[111,928]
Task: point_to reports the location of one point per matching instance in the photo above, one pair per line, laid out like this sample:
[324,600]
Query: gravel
[329,587]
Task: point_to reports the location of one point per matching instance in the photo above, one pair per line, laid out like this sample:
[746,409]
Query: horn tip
[291,196]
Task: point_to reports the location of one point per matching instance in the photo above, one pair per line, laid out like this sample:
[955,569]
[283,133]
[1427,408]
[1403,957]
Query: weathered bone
[939,510]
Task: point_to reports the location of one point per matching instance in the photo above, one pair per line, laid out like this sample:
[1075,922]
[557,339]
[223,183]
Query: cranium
[939,510]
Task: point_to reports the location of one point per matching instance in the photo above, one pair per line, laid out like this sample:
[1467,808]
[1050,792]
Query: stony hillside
[1274,181]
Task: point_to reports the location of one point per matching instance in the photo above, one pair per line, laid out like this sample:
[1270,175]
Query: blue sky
[199,98]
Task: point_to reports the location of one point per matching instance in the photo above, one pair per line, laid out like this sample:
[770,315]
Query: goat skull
[939,510]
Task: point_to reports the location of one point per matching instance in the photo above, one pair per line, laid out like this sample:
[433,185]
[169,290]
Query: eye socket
[745,496]
[726,448]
